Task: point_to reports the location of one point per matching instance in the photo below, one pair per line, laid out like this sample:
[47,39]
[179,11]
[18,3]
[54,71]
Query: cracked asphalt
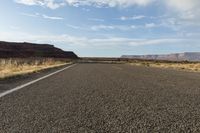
[105,98]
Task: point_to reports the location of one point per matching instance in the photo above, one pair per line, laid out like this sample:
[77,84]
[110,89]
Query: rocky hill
[187,56]
[24,50]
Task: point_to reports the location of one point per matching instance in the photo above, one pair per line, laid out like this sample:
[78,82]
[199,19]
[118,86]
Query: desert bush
[17,66]
[184,65]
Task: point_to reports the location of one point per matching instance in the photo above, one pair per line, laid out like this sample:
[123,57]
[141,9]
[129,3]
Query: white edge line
[32,82]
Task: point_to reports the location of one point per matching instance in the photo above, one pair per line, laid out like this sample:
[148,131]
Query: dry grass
[14,67]
[184,66]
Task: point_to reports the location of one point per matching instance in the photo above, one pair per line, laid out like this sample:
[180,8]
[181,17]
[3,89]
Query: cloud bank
[52,4]
[186,11]
[183,5]
[85,42]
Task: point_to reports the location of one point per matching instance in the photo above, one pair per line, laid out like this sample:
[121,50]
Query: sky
[104,28]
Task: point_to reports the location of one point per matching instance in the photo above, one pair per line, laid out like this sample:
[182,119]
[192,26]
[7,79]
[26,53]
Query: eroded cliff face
[187,56]
[24,50]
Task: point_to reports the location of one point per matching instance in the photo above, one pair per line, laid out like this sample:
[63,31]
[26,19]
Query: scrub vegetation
[182,65]
[20,66]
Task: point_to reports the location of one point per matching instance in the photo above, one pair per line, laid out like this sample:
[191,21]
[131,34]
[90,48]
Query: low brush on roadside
[184,66]
[20,66]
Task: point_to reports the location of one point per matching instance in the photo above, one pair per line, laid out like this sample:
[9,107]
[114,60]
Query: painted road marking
[32,82]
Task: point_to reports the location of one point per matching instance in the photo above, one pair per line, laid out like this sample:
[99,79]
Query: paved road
[105,98]
[19,80]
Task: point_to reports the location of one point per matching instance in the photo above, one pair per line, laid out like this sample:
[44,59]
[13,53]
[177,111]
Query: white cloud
[27,2]
[73,26]
[109,3]
[42,16]
[97,3]
[50,17]
[113,27]
[132,18]
[150,25]
[183,5]
[140,42]
[185,11]
[138,17]
[125,27]
[102,27]
[31,15]
[134,26]
[52,4]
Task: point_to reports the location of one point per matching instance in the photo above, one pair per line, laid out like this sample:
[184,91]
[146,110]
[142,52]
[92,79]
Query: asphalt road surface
[105,98]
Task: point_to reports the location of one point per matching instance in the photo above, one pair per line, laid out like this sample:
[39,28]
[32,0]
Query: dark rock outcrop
[187,56]
[24,50]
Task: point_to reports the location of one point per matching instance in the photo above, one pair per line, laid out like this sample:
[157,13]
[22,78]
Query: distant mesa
[24,50]
[187,56]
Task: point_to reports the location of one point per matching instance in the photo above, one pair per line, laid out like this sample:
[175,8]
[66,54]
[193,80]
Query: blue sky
[104,27]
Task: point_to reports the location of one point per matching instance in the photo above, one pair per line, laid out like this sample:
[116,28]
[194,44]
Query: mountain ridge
[186,56]
[25,50]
